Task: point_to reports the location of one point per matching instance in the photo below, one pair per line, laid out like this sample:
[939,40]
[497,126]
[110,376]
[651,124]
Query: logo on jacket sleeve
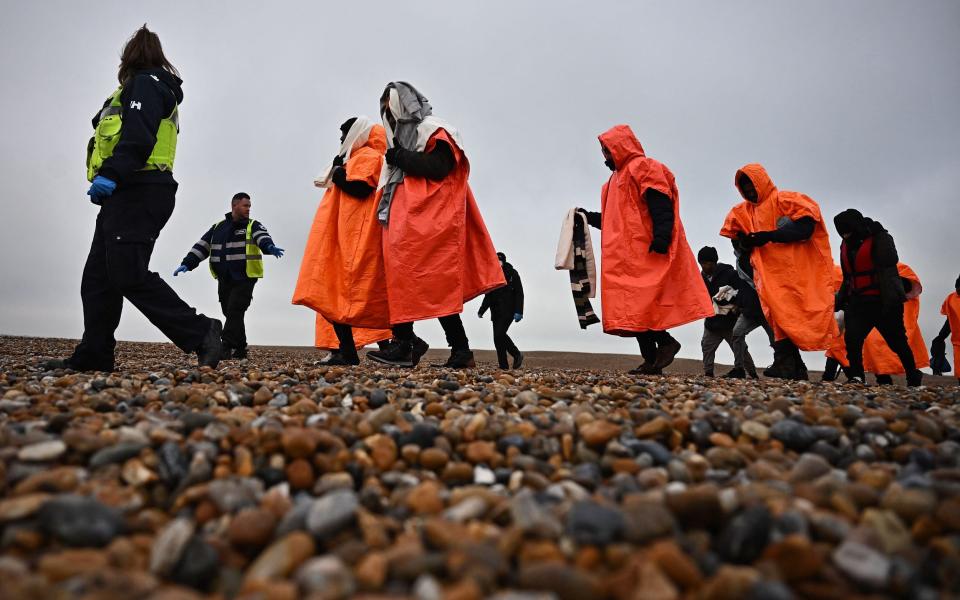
[135,104]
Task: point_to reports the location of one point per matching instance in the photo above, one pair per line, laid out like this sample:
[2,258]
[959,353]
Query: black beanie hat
[708,254]
[849,221]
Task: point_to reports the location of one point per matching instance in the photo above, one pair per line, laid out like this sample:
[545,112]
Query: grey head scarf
[409,107]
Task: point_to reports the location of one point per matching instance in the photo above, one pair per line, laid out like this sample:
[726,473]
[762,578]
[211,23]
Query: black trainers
[666,353]
[339,359]
[518,360]
[735,373]
[646,369]
[208,354]
[69,364]
[397,354]
[418,349]
[461,359]
[239,353]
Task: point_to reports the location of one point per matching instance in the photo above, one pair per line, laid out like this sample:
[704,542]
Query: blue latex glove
[100,188]
[180,269]
[517,317]
[275,251]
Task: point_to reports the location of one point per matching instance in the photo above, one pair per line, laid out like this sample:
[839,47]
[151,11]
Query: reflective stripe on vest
[107,134]
[862,274]
[253,257]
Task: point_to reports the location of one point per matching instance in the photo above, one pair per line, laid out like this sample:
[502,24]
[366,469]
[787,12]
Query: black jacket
[147,98]
[885,259]
[723,274]
[225,244]
[505,301]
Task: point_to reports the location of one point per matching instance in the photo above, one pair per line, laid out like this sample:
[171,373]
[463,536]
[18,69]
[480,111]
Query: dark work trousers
[649,342]
[452,329]
[235,297]
[117,267]
[502,341]
[861,316]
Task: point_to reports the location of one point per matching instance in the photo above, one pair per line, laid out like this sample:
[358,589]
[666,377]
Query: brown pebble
[434,459]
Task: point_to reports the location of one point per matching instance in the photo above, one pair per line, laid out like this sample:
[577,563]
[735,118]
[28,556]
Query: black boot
[461,359]
[781,355]
[418,349]
[915,379]
[736,373]
[884,380]
[517,359]
[208,354]
[666,352]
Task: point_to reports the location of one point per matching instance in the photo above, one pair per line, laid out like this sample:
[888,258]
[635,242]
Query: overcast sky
[855,103]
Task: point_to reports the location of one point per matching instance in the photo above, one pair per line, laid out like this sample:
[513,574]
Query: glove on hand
[517,317]
[100,188]
[275,251]
[337,161]
[759,238]
[180,269]
[660,246]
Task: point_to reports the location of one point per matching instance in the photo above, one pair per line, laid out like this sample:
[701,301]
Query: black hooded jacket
[507,300]
[147,98]
[885,259]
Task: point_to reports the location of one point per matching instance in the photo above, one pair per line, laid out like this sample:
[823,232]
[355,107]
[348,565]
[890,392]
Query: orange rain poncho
[951,309]
[794,279]
[436,249]
[642,290]
[878,358]
[341,276]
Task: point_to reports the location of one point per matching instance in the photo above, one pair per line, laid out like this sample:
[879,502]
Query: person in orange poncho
[951,310]
[649,279]
[873,293]
[792,266]
[341,276]
[878,358]
[436,249]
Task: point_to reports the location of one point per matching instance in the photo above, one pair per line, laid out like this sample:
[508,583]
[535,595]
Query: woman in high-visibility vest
[130,166]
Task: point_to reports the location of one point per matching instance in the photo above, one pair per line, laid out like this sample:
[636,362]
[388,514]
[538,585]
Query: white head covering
[357,136]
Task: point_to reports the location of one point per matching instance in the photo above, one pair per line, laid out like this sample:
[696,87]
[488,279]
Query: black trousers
[649,342]
[117,267]
[862,316]
[452,329]
[502,341]
[345,337]
[235,297]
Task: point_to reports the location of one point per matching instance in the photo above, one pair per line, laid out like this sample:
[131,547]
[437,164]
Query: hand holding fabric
[660,246]
[337,161]
[275,251]
[391,156]
[517,317]
[480,312]
[100,188]
[760,238]
[180,269]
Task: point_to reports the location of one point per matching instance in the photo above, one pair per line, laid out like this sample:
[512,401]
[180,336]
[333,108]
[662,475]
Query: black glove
[760,238]
[337,161]
[391,156]
[660,246]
